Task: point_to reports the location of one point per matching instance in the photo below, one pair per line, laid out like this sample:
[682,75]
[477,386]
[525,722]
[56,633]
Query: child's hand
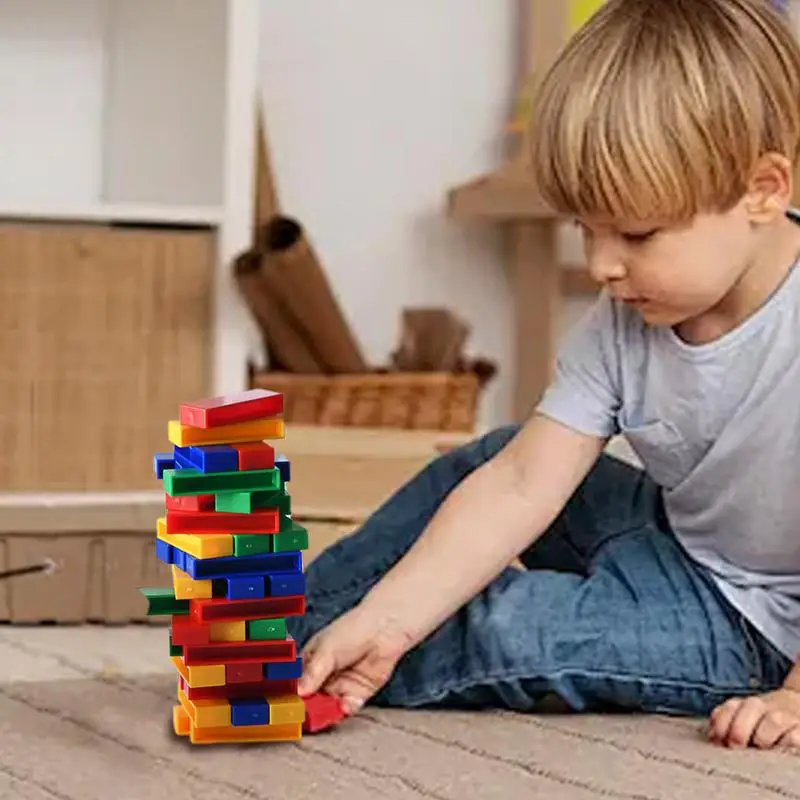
[352,658]
[768,721]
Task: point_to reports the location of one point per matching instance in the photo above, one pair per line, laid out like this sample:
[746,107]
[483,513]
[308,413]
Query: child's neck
[756,285]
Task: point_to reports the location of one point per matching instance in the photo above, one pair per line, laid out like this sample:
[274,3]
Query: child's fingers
[319,663]
[747,718]
[721,720]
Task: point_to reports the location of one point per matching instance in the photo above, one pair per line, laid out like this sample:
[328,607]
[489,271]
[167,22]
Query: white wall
[373,110]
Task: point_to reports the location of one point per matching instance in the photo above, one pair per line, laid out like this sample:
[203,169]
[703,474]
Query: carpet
[103,736]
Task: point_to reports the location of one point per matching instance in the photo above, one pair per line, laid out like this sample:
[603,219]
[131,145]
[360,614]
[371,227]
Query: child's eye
[639,238]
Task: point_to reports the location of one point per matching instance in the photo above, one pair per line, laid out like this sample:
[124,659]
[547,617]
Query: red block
[198,502]
[246,673]
[259,688]
[263,521]
[220,609]
[239,652]
[323,711]
[186,631]
[255,455]
[232,408]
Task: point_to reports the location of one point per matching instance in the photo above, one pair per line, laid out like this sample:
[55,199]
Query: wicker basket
[409,400]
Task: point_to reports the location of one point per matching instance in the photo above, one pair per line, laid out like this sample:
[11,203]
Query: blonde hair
[660,109]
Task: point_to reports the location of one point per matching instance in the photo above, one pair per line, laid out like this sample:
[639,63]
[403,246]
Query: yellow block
[580,11]
[206,713]
[257,430]
[181,723]
[198,677]
[199,545]
[286,710]
[187,588]
[227,631]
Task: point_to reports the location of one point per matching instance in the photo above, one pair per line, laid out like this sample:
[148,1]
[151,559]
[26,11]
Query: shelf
[118,214]
[503,196]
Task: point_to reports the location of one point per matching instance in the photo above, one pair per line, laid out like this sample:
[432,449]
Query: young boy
[669,131]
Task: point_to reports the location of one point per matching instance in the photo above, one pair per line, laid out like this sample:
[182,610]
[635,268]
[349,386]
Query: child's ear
[769,193]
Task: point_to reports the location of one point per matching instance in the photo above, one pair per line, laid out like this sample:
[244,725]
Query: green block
[285,502]
[246,502]
[262,629]
[175,649]
[185,482]
[162,602]
[251,544]
[286,523]
[295,538]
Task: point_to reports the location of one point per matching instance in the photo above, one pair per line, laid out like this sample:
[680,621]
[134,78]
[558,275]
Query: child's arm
[484,524]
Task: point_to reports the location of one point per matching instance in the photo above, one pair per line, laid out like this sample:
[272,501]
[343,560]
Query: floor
[84,716]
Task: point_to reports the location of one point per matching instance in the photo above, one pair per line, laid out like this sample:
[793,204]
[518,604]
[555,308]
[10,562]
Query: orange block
[187,436]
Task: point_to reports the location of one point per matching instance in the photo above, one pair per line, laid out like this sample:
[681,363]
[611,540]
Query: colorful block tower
[237,571]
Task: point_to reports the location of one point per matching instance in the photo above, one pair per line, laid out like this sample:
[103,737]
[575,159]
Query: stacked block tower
[237,571]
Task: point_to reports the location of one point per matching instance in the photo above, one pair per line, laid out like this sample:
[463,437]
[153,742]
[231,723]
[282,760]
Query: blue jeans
[609,612]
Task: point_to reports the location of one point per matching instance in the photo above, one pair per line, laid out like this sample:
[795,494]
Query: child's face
[671,274]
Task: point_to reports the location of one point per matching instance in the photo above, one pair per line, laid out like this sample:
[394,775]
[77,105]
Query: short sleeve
[584,394]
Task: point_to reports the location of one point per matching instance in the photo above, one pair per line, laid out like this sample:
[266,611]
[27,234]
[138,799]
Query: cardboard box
[102,545]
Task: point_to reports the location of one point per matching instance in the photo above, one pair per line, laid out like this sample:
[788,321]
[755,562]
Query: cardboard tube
[285,343]
[291,271]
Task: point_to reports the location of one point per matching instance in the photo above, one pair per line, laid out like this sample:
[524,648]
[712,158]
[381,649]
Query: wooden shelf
[116,213]
[502,196]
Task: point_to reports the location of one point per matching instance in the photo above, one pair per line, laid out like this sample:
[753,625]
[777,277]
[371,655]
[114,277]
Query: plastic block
[285,584]
[174,649]
[284,670]
[162,602]
[186,588]
[189,502]
[243,586]
[249,711]
[181,460]
[284,465]
[247,502]
[206,713]
[230,409]
[323,711]
[295,538]
[213,675]
[246,672]
[252,544]
[164,552]
[221,610]
[286,710]
[255,455]
[226,567]
[181,723]
[237,652]
[227,631]
[258,430]
[260,688]
[161,462]
[207,545]
[260,629]
[261,522]
[192,481]
[186,632]
[209,458]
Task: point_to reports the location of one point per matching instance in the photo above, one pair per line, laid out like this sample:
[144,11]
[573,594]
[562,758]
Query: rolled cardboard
[291,271]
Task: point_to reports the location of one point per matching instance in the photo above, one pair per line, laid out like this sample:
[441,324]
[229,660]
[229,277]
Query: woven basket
[438,401]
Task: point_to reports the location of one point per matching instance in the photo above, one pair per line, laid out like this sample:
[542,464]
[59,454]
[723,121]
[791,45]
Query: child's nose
[608,268]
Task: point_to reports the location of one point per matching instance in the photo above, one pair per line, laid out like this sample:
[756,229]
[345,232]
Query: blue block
[162,461]
[284,670]
[181,459]
[209,458]
[164,552]
[245,587]
[285,584]
[229,566]
[284,467]
[246,711]
[179,558]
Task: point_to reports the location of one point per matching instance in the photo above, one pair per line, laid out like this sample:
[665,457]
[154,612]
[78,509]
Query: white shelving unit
[135,111]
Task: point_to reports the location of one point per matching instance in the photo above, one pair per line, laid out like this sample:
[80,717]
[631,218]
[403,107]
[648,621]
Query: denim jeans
[609,612]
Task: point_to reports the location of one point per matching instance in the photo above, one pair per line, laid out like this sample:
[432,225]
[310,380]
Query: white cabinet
[135,111]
